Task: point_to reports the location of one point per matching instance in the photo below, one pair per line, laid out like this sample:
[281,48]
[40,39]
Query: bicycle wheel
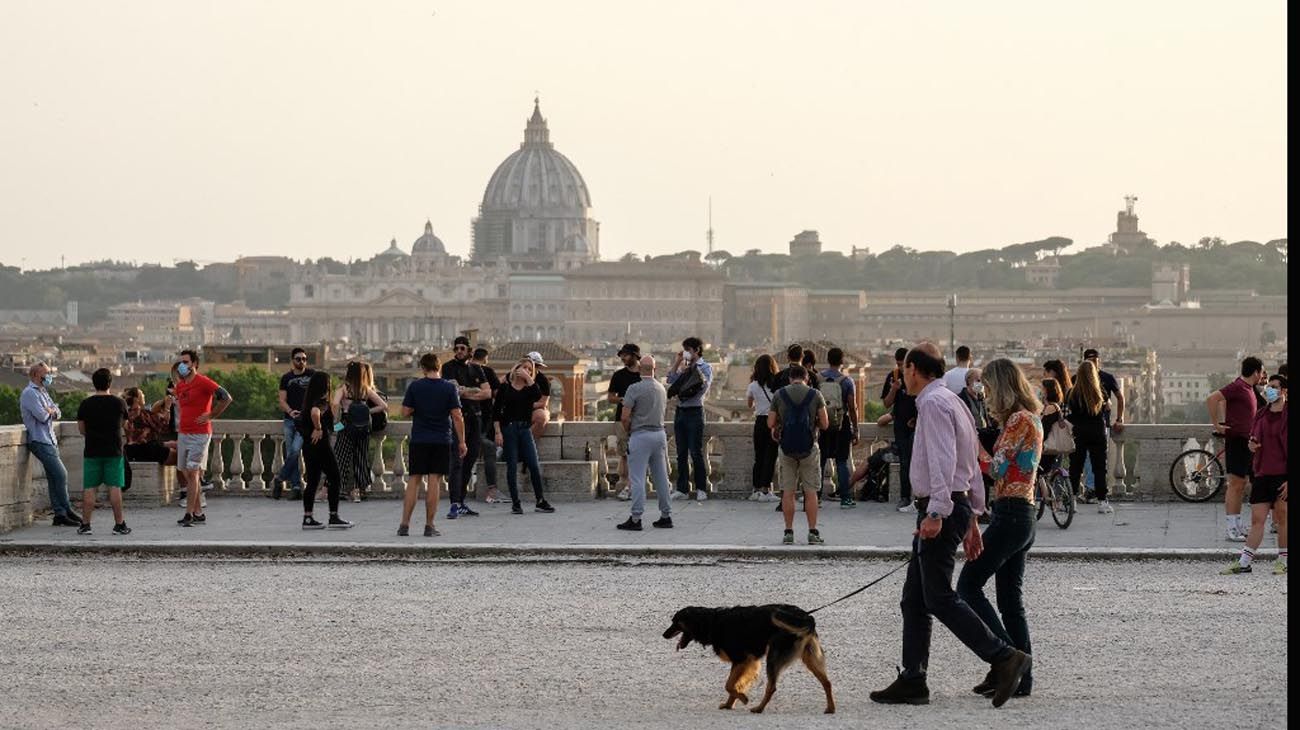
[1040,489]
[1062,500]
[1196,475]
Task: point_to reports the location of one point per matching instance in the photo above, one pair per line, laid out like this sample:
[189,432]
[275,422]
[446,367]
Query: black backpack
[688,385]
[357,418]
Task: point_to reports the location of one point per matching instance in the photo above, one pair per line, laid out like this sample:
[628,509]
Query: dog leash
[863,588]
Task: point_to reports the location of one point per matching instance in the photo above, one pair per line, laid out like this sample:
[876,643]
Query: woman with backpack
[356,402]
[316,422]
[760,393]
[1084,405]
[512,409]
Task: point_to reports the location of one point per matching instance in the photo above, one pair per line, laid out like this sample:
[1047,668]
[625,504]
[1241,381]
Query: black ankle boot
[904,691]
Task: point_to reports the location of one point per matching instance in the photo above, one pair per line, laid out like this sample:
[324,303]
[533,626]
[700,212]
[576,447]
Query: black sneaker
[186,521]
[1007,673]
[201,519]
[277,488]
[403,531]
[310,523]
[430,532]
[65,521]
[904,691]
[663,522]
[338,522]
[543,506]
[516,509]
[464,511]
[76,518]
[295,494]
[84,529]
[121,529]
[630,524]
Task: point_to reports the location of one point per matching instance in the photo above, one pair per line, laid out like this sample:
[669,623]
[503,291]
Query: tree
[254,390]
[9,411]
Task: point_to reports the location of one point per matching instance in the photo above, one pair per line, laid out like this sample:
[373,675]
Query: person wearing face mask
[40,414]
[973,396]
[1268,444]
[201,400]
[1232,411]
[688,421]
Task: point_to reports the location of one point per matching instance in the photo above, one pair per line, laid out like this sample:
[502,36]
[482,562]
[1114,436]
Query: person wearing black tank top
[316,423]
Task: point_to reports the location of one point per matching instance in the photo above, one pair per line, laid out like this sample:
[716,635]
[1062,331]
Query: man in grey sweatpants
[644,405]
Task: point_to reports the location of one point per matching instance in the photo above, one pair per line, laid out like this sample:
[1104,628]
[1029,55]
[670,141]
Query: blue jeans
[835,447]
[291,472]
[56,475]
[1006,545]
[648,450]
[688,430]
[517,442]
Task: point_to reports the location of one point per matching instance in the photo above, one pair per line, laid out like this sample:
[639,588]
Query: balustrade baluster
[217,462]
[399,464]
[237,464]
[379,482]
[277,458]
[255,469]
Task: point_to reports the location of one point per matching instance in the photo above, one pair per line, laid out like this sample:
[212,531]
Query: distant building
[1127,238]
[805,243]
[1170,283]
[1181,389]
[1045,274]
[655,302]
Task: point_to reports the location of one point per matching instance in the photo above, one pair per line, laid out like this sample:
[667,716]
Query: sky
[156,131]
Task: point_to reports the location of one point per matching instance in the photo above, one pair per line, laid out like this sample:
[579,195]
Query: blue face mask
[1271,394]
[48,380]
[183,369]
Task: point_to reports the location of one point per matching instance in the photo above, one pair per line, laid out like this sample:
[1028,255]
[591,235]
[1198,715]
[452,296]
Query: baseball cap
[629,349]
[1090,353]
[462,340]
[536,357]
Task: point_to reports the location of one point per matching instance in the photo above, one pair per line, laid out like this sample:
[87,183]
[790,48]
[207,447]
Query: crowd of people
[805,420]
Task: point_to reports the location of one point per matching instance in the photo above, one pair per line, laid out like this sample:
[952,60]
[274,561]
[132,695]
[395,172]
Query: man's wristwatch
[935,516]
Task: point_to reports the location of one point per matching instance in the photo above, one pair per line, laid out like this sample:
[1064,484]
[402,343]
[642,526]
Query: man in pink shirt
[1232,411]
[948,489]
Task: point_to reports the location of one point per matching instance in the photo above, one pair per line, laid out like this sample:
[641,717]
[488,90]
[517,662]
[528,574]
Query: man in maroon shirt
[1268,442]
[1232,411]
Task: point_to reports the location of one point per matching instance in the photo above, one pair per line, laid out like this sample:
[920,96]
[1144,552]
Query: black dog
[743,635]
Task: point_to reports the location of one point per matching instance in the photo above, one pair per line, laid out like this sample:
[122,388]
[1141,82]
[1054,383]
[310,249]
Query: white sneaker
[770,497]
[1104,508]
[908,508]
[677,495]
[1235,536]
[701,496]
[626,494]
[756,497]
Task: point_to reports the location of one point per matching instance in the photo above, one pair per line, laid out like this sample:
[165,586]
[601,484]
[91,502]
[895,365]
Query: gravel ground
[123,643]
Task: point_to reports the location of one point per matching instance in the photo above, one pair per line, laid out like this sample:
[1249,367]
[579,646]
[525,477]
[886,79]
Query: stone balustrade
[246,455]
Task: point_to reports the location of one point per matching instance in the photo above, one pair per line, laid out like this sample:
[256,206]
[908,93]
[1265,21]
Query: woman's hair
[809,360]
[1059,373]
[764,370]
[318,389]
[354,386]
[367,378]
[1007,390]
[133,396]
[1087,388]
[1052,391]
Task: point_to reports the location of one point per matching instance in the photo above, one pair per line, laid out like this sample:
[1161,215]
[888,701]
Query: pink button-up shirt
[945,455]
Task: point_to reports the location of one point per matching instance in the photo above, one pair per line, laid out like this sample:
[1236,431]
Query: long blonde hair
[1087,388]
[1008,390]
[367,377]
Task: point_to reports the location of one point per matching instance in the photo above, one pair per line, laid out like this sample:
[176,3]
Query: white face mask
[977,389]
[687,356]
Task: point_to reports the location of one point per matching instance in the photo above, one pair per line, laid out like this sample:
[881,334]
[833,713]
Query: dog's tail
[800,626]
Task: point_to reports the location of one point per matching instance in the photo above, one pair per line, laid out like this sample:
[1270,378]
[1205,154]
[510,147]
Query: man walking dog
[947,486]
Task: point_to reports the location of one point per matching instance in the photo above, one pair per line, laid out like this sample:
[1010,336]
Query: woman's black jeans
[764,454]
[1089,446]
[1006,545]
[319,458]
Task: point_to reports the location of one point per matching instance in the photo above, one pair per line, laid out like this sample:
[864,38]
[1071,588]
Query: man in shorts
[433,405]
[624,378]
[1232,411]
[200,400]
[799,472]
[1268,443]
[99,419]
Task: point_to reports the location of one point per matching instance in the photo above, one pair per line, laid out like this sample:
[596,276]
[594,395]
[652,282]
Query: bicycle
[1054,493]
[1197,475]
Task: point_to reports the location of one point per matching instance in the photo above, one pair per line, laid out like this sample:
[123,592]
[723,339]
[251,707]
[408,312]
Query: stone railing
[247,454]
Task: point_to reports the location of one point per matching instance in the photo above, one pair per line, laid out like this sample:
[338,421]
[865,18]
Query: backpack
[832,390]
[357,418]
[797,432]
[688,385]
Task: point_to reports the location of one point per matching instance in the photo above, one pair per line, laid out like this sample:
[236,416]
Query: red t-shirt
[1239,407]
[195,399]
[1271,433]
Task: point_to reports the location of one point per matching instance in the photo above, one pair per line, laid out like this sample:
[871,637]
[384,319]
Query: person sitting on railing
[145,428]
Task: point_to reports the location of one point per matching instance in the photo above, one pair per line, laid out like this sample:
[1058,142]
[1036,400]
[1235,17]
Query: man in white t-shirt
[955,379]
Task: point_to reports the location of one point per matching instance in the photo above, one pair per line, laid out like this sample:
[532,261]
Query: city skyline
[307,132]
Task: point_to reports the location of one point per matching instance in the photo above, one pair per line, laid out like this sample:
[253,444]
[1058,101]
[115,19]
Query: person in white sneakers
[1232,411]
[762,389]
[1268,444]
[1085,403]
[689,380]
[619,382]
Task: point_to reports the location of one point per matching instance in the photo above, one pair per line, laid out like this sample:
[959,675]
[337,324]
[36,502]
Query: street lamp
[952,325]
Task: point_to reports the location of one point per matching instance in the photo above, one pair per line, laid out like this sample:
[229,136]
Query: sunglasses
[300,359]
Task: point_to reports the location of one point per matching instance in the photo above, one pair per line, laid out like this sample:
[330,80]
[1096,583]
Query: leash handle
[863,588]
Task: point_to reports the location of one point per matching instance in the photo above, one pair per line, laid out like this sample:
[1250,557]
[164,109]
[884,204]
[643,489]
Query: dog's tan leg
[779,656]
[733,680]
[747,678]
[815,660]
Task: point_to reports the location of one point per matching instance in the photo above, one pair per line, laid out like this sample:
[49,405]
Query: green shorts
[109,471]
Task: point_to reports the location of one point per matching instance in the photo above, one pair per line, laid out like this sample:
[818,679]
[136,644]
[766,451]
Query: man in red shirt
[195,394]
[1232,411]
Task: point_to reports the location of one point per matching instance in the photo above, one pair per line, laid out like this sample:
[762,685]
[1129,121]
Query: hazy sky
[152,131]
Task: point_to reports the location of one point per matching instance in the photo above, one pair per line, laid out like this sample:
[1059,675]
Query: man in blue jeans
[293,386]
[688,421]
[40,413]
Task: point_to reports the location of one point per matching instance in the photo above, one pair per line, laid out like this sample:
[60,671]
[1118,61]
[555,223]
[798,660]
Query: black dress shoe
[986,686]
[1007,673]
[904,691]
[664,522]
[630,524]
[62,521]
